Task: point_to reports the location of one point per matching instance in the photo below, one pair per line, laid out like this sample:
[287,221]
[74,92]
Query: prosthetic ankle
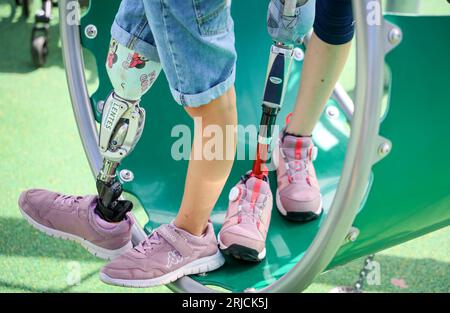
[123,120]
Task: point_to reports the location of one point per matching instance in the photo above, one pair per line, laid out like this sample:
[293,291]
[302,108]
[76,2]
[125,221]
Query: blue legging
[334,22]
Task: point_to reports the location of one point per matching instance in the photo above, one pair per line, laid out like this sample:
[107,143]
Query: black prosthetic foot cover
[115,212]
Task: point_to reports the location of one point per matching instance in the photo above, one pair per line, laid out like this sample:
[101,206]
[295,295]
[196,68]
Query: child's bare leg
[298,193]
[206,178]
[321,69]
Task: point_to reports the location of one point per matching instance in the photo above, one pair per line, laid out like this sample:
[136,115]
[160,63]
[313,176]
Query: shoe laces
[252,211]
[246,208]
[69,200]
[296,169]
[149,242]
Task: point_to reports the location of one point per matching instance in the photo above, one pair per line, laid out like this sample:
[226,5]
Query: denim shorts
[192,39]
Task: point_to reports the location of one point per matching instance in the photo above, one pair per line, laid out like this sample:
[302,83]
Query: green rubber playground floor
[40,147]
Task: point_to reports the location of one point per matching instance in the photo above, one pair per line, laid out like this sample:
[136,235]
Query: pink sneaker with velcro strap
[167,254]
[298,194]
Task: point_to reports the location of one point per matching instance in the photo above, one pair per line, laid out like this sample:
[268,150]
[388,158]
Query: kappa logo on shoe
[173,257]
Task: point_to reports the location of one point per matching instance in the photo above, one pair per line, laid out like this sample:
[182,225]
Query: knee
[334,22]
[221,111]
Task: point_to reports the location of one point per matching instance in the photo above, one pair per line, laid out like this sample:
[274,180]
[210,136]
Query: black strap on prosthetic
[109,207]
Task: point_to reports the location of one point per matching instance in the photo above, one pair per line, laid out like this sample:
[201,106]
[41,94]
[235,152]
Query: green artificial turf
[40,147]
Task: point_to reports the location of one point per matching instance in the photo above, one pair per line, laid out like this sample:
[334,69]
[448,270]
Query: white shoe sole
[203,265]
[97,251]
[283,212]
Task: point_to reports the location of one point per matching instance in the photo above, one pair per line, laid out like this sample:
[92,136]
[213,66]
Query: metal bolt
[90,31]
[352,234]
[299,55]
[332,112]
[126,175]
[384,149]
[395,36]
[100,106]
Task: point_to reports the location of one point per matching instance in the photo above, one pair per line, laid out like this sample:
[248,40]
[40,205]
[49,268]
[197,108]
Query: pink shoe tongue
[256,190]
[293,146]
[154,238]
[255,193]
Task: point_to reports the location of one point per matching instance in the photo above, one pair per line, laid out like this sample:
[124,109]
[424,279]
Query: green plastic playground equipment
[384,169]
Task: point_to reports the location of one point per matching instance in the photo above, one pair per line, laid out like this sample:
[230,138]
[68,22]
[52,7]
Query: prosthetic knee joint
[122,123]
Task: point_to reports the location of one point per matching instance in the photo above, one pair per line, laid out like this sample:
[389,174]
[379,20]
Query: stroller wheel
[39,50]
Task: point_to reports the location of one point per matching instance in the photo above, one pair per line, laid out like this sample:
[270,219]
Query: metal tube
[108,171]
[76,81]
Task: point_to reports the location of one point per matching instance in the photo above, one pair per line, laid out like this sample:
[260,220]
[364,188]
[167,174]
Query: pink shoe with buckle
[243,234]
[298,194]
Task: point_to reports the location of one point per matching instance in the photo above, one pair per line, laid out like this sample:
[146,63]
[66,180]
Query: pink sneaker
[298,194]
[73,218]
[164,256]
[244,232]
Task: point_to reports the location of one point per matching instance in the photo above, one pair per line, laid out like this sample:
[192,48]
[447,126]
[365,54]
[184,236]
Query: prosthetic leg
[279,68]
[288,22]
[122,123]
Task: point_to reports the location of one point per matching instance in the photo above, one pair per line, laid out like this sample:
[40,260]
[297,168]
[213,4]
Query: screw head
[90,31]
[384,149]
[395,36]
[352,234]
[332,112]
[100,106]
[126,175]
[299,55]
